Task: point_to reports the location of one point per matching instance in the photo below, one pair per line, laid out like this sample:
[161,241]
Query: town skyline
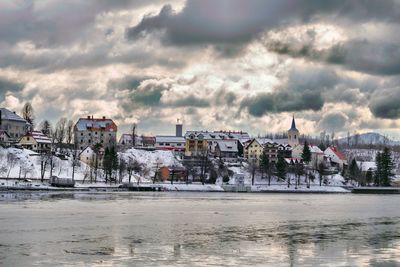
[212,64]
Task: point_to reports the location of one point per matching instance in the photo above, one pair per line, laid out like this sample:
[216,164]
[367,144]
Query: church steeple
[293,125]
[293,134]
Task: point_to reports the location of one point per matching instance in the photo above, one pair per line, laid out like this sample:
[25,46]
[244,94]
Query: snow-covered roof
[169,139]
[339,154]
[103,124]
[366,165]
[315,149]
[9,115]
[218,135]
[227,146]
[40,137]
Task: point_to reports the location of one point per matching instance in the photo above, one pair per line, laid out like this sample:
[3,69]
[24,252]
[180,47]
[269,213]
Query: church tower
[293,134]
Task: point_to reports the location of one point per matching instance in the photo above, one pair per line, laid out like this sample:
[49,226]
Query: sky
[214,64]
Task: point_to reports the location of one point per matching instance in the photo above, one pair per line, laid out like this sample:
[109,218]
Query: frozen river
[199,229]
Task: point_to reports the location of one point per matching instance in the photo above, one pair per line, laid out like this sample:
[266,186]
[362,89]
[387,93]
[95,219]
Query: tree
[121,169]
[45,127]
[114,161]
[69,131]
[306,154]
[369,177]
[387,166]
[12,160]
[354,171]
[133,135]
[266,167]
[299,171]
[379,169]
[60,131]
[252,168]
[281,168]
[28,114]
[321,168]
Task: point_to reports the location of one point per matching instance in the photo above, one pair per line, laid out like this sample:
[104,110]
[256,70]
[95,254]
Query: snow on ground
[27,165]
[151,158]
[191,187]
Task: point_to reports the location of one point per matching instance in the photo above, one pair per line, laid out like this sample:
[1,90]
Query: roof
[315,149]
[4,132]
[293,127]
[40,137]
[366,165]
[227,146]
[11,116]
[103,124]
[169,139]
[218,135]
[339,154]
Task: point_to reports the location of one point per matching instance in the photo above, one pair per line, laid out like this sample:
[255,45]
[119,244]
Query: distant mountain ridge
[368,138]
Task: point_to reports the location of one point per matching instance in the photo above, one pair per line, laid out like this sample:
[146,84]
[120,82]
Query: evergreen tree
[369,177]
[107,163]
[114,160]
[353,170]
[378,173]
[264,164]
[306,155]
[387,166]
[281,168]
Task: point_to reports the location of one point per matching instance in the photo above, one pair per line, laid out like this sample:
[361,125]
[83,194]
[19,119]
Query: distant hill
[368,138]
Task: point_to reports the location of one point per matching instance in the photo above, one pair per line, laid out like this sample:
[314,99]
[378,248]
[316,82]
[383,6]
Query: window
[81,140]
[81,134]
[167,144]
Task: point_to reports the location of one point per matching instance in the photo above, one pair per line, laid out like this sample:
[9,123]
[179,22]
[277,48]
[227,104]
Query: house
[4,138]
[336,157]
[195,144]
[91,131]
[317,155]
[90,156]
[14,125]
[199,141]
[173,143]
[141,141]
[257,146]
[167,172]
[227,149]
[36,141]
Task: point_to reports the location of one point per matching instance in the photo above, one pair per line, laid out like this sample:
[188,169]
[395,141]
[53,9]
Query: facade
[336,157]
[166,173]
[200,141]
[89,156]
[91,131]
[36,141]
[14,125]
[227,149]
[195,144]
[173,143]
[257,146]
[4,138]
[293,134]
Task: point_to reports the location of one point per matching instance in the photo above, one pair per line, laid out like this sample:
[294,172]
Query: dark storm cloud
[379,58]
[237,21]
[9,86]
[189,101]
[385,103]
[149,93]
[282,102]
[129,82]
[53,22]
[334,121]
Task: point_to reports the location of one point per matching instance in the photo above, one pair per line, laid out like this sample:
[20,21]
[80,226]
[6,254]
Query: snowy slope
[369,138]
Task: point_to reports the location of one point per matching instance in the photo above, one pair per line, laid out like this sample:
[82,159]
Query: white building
[336,157]
[174,143]
[317,155]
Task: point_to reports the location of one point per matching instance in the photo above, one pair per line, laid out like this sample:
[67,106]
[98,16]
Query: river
[199,229]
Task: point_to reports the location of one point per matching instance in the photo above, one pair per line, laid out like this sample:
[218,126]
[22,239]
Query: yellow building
[36,141]
[195,144]
[255,149]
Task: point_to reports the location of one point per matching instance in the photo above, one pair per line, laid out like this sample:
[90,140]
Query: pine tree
[369,177]
[281,168]
[387,167]
[306,155]
[353,170]
[264,164]
[378,173]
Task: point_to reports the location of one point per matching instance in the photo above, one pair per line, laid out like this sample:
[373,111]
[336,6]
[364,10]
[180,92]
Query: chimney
[104,117]
[178,129]
[88,117]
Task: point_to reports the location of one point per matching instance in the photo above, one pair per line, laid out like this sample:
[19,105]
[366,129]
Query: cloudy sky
[216,64]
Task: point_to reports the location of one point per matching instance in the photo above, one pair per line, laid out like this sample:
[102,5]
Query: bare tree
[133,135]
[28,113]
[69,132]
[45,127]
[60,131]
[252,168]
[12,160]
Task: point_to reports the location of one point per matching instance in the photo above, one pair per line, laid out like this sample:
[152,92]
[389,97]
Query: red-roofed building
[36,141]
[91,131]
[336,156]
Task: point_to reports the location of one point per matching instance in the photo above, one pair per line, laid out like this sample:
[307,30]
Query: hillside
[367,139]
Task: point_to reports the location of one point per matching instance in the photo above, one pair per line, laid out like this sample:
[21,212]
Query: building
[91,131]
[336,157]
[36,141]
[173,143]
[258,146]
[176,172]
[293,134]
[200,141]
[317,155]
[227,149]
[195,144]
[90,156]
[4,138]
[14,125]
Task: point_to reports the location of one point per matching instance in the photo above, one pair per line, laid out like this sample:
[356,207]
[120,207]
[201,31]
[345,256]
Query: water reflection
[198,230]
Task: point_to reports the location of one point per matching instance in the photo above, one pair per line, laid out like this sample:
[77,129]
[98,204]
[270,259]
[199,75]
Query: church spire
[293,125]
